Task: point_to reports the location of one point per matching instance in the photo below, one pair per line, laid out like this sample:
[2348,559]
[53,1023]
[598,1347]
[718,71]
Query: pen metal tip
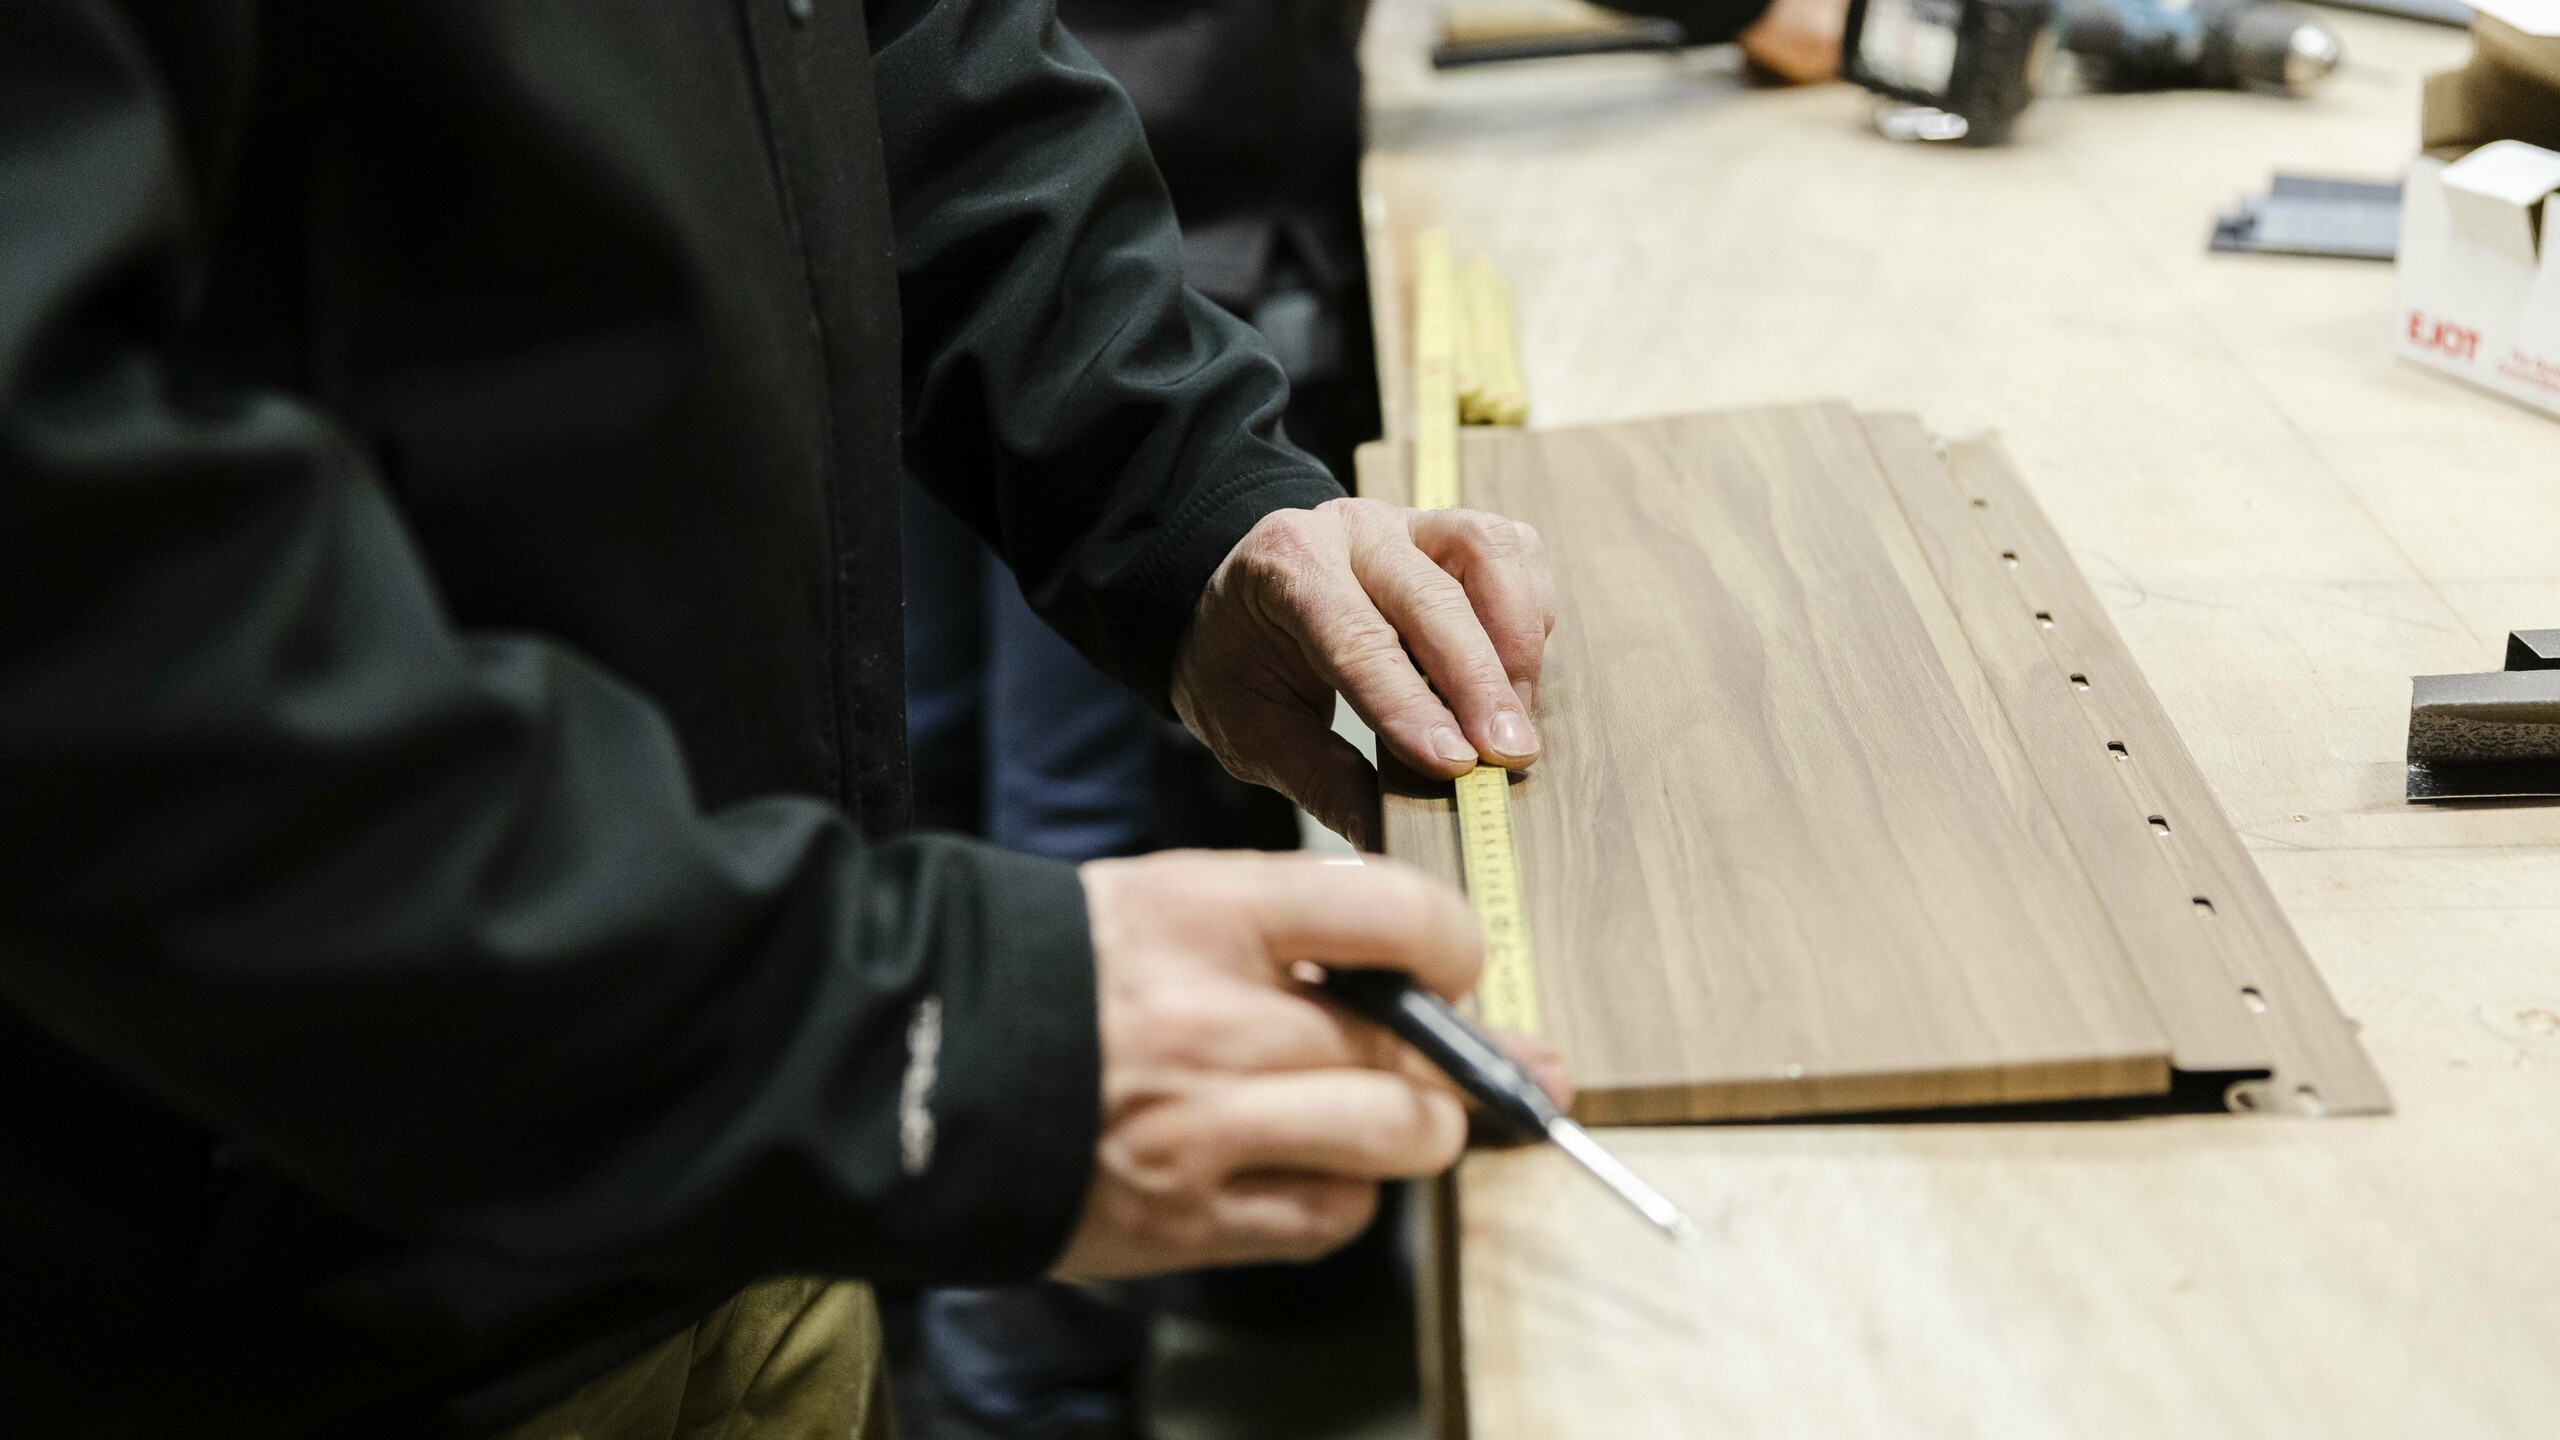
[1652,1204]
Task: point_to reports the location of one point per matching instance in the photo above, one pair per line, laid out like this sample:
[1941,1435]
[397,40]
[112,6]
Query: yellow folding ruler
[1508,992]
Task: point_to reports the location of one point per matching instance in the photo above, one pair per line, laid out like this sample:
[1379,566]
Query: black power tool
[1962,70]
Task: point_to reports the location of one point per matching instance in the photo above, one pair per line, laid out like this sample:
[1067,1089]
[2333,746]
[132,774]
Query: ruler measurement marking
[1508,991]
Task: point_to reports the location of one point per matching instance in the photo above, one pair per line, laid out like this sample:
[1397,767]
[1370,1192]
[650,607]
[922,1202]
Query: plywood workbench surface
[2285,524]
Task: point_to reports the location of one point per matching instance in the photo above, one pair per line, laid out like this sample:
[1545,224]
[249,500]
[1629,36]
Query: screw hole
[2079,682]
[2256,1002]
[2045,618]
[2010,557]
[2116,748]
[2203,906]
[2244,1099]
[2160,823]
[2312,1104]
[1981,504]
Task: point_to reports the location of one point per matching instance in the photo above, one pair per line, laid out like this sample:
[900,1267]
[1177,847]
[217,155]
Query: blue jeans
[1011,734]
[1044,1361]
[1014,737]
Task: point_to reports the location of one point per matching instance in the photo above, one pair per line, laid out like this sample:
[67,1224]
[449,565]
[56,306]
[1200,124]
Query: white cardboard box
[2479,264]
[2533,17]
[2480,270]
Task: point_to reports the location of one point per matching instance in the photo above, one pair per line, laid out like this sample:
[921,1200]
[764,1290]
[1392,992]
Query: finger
[1544,1064]
[1299,756]
[1365,1124]
[1343,638]
[1253,1031]
[1503,566]
[1381,913]
[1435,618]
[1217,1029]
[1543,1061]
[1290,1217]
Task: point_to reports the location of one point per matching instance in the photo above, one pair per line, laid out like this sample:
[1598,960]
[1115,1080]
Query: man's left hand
[1430,622]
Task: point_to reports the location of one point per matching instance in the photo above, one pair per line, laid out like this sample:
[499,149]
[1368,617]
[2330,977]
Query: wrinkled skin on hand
[1244,1117]
[1431,623]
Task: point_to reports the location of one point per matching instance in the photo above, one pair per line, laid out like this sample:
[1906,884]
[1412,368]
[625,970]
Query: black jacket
[449,695]
[1252,108]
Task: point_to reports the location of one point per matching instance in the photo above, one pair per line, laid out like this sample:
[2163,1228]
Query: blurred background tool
[1963,70]
[1789,42]
[2533,650]
[2207,45]
[2434,12]
[1637,36]
[1540,29]
[2494,735]
[1509,1094]
[2307,215]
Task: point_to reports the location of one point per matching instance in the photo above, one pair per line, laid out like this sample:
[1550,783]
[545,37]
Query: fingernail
[1511,733]
[1451,746]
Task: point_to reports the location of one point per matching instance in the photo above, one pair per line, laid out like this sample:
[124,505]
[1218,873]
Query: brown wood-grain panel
[2320,1067]
[1784,853]
[1439,1339]
[2209,1023]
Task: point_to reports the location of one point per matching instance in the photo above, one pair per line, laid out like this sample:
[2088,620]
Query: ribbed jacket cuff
[1167,584]
[1015,1096]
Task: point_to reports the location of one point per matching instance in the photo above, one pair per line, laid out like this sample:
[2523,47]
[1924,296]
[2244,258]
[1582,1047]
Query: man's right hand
[1242,1118]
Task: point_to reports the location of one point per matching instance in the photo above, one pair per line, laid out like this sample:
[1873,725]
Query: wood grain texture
[2211,1022]
[2321,1068]
[1784,853]
[2175,1277]
[2284,524]
[1432,1231]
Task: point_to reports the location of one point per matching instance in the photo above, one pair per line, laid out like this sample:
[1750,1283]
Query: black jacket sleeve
[1111,432]
[428,919]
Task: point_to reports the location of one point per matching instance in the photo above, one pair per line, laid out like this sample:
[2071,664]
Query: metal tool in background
[1484,32]
[1510,1095]
[1964,70]
[1960,70]
[2434,12]
[2308,215]
[2489,736]
[1636,36]
[2205,45]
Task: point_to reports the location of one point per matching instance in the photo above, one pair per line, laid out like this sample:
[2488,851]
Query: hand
[1798,40]
[1385,606]
[1544,1062]
[1244,1119]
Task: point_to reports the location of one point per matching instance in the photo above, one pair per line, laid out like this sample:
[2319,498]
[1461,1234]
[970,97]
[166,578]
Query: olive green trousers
[789,1359]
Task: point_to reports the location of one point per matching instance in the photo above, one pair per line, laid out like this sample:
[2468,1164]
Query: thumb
[1301,757]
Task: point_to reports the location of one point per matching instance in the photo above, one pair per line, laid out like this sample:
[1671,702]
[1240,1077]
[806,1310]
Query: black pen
[1507,1091]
